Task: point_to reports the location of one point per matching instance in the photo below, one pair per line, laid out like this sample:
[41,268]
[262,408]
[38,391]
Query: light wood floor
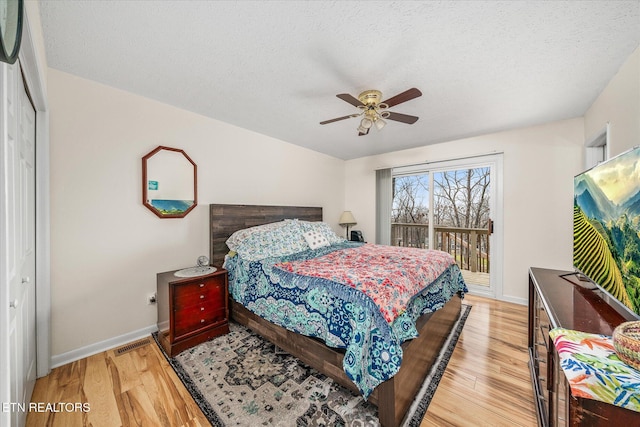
[486,383]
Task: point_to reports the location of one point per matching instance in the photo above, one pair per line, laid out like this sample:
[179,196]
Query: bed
[392,396]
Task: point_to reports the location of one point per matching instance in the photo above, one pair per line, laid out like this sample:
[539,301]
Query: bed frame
[393,397]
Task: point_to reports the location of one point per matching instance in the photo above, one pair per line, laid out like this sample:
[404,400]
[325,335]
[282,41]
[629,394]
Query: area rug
[240,379]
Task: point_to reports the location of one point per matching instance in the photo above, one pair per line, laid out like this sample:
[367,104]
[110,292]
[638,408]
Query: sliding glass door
[410,210]
[452,206]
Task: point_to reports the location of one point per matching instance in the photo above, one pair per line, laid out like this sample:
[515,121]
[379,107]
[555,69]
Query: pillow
[323,228]
[315,239]
[273,242]
[241,235]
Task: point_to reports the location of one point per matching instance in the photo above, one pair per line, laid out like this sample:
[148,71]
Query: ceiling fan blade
[404,118]
[405,96]
[350,99]
[337,119]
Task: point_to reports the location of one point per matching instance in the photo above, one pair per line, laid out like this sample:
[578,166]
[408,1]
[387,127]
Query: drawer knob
[202,285]
[201,308]
[201,320]
[201,296]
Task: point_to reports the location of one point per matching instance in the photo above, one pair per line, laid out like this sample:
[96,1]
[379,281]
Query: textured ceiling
[274,67]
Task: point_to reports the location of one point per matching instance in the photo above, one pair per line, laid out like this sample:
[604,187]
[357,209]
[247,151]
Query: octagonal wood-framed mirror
[11,18]
[169,182]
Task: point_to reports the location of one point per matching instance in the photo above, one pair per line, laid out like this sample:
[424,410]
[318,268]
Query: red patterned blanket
[389,275]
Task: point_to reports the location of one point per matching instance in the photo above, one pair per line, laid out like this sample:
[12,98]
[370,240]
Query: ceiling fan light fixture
[370,97]
[373,110]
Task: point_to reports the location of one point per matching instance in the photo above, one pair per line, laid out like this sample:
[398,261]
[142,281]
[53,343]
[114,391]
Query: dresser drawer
[195,317]
[211,291]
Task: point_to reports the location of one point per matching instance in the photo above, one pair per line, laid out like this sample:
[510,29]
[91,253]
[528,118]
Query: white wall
[539,165]
[619,105]
[106,246]
[32,12]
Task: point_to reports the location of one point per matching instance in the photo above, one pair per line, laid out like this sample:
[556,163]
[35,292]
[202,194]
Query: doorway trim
[33,74]
[34,78]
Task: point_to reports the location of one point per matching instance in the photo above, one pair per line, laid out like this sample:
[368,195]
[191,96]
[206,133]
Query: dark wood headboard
[224,220]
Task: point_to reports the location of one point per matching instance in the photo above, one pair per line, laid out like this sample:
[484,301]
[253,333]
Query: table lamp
[346,220]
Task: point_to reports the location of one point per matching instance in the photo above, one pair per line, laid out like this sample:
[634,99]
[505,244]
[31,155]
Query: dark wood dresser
[566,302]
[191,310]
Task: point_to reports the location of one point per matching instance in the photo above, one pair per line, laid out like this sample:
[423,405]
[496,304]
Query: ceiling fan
[375,111]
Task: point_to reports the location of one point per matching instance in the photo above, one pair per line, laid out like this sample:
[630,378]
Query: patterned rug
[240,379]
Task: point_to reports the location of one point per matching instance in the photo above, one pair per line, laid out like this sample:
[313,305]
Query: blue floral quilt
[341,315]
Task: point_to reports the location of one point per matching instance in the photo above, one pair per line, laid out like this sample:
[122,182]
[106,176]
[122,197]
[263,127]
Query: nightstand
[191,310]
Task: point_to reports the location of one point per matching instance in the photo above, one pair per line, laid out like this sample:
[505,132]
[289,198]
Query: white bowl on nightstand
[195,271]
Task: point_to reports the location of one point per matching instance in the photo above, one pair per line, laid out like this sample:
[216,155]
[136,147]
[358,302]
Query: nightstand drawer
[212,291]
[195,317]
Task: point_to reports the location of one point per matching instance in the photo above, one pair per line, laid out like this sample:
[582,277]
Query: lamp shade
[347,218]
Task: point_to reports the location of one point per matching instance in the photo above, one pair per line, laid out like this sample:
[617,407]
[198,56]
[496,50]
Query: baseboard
[515,300]
[80,353]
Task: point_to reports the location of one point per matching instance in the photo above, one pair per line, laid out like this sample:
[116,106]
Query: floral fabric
[234,241]
[339,314]
[389,275]
[273,242]
[593,369]
[280,238]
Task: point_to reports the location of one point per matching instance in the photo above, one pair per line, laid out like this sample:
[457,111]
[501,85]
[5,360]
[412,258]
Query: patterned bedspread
[362,298]
[389,275]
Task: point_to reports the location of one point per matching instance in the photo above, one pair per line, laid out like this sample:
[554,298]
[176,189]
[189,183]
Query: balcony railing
[468,246]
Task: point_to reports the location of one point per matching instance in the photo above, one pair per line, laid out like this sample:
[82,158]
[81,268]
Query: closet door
[20,146]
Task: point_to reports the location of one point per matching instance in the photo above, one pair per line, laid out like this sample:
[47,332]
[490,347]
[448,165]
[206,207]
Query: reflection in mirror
[169,183]
[11,12]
